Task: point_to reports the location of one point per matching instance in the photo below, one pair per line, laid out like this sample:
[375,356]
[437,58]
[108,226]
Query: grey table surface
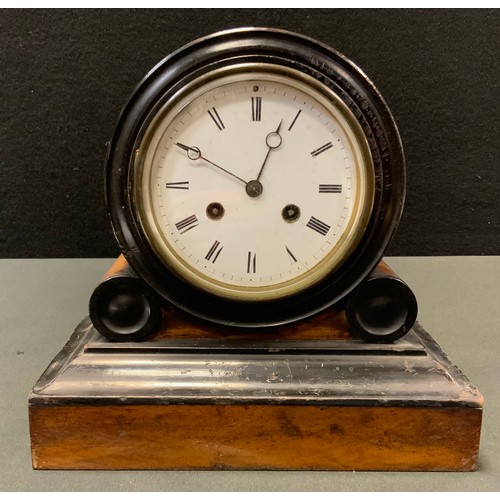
[41,302]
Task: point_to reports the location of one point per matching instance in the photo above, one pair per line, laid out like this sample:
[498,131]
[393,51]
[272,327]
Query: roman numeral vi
[252,262]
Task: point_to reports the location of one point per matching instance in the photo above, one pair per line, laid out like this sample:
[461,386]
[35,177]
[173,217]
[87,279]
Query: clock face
[253,184]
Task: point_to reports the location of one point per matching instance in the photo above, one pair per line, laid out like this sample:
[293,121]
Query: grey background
[65,74]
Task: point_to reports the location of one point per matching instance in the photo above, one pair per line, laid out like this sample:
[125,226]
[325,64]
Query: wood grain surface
[254,437]
[329,324]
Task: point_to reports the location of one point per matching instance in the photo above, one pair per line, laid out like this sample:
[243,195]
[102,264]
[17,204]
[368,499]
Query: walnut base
[254,403]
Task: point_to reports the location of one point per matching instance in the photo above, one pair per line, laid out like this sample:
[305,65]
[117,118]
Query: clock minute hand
[273,141]
[195,153]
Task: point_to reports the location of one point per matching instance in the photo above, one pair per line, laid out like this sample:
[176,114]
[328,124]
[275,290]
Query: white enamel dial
[254,185]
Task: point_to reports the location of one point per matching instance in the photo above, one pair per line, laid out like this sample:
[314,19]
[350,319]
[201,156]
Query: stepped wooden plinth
[305,396]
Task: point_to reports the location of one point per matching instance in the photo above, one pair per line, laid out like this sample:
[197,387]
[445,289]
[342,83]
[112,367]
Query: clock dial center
[254,188]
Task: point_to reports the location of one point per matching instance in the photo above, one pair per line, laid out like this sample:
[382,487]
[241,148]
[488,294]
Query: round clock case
[258,49]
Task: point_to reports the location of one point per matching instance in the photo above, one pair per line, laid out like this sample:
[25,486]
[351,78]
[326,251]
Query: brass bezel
[351,236]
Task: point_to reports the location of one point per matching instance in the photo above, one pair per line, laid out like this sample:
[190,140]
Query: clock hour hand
[195,153]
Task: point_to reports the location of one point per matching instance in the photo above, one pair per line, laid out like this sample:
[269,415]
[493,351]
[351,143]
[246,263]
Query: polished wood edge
[413,371]
[118,266]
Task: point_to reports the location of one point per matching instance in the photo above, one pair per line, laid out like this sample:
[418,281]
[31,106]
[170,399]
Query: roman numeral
[318,226]
[256,108]
[251,262]
[177,185]
[216,118]
[322,149]
[214,252]
[290,254]
[186,224]
[330,188]
[294,120]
